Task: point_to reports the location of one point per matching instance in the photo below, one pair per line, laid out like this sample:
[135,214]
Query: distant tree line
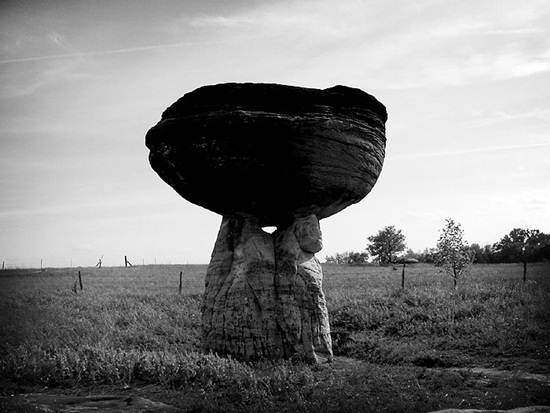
[388,247]
[349,257]
[520,245]
[452,254]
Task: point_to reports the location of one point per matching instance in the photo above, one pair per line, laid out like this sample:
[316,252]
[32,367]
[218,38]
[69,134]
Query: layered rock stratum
[259,155]
[270,151]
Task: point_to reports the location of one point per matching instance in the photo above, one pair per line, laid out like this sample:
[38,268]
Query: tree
[482,255]
[477,253]
[452,252]
[543,252]
[522,245]
[386,244]
[330,259]
[489,254]
[348,258]
[427,255]
[338,258]
[358,257]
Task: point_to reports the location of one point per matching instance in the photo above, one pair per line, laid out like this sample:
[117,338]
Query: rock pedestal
[263,294]
[268,154]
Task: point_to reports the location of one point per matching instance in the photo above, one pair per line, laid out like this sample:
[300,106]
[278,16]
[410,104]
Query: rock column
[263,292]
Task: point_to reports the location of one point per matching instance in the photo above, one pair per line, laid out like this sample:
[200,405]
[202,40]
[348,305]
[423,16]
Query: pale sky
[466,85]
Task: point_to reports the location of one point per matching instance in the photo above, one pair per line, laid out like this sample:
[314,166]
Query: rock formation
[263,295]
[266,154]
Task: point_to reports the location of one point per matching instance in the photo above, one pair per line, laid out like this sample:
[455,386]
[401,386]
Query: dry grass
[130,326]
[492,314]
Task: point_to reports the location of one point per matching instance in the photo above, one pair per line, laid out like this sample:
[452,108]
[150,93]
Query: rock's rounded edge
[189,140]
[273,97]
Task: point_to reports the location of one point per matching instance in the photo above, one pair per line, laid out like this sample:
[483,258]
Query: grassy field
[130,329]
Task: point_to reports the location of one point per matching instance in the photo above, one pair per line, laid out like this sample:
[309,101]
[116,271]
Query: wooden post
[403,276]
[179,289]
[80,281]
[524,271]
[126,262]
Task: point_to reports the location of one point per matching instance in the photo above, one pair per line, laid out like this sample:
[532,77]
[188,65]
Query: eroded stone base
[263,296]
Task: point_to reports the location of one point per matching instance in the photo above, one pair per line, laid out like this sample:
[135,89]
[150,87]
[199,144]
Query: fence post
[126,262]
[403,277]
[180,287]
[80,281]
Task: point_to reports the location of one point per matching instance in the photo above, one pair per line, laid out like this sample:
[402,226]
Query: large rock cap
[271,151]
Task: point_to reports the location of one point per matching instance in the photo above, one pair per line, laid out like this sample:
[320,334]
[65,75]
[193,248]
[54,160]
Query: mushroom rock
[269,155]
[270,151]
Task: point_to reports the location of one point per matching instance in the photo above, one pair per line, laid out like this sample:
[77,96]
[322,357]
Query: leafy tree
[358,257]
[477,253]
[522,245]
[348,258]
[409,253]
[330,259]
[452,252]
[489,254]
[338,258]
[482,255]
[427,255]
[543,252]
[386,244]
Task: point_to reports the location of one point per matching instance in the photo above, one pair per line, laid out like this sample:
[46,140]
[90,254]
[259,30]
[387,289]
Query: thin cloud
[487,119]
[468,151]
[520,31]
[15,84]
[122,206]
[101,52]
[60,41]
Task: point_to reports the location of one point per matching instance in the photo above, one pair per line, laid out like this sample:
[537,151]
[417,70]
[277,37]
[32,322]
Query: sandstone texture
[270,151]
[269,155]
[263,295]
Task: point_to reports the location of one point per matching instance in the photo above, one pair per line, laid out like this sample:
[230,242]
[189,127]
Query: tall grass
[131,326]
[492,313]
